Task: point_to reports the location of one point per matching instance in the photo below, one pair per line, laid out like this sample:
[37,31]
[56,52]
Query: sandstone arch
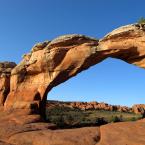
[51,63]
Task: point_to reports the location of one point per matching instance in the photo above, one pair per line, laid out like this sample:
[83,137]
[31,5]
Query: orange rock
[5,72]
[126,133]
[139,108]
[50,64]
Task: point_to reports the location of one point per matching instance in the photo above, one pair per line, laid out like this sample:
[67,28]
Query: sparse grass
[108,115]
[65,117]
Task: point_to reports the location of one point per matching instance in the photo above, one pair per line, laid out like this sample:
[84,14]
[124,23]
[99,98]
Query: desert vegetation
[66,117]
[141,20]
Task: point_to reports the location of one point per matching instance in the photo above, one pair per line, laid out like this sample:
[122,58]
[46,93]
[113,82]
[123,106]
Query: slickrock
[125,133]
[81,136]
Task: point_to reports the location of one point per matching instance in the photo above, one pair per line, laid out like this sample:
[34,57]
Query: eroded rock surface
[52,63]
[139,109]
[5,73]
[126,133]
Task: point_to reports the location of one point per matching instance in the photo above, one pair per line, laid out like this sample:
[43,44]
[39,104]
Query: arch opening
[112,81]
[112,74]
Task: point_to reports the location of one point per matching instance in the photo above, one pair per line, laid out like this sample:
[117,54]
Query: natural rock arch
[51,63]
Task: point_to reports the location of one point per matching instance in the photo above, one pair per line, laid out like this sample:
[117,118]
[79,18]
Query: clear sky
[26,22]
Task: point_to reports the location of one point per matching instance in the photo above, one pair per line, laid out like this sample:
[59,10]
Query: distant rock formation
[53,62]
[139,108]
[89,106]
[100,106]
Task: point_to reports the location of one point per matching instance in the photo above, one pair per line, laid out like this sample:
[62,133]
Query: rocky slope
[51,63]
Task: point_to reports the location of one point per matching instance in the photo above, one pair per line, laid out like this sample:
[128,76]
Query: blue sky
[26,22]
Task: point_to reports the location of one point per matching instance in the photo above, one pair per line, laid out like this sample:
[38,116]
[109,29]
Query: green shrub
[73,119]
[133,119]
[116,119]
[65,117]
[58,120]
[101,121]
[141,20]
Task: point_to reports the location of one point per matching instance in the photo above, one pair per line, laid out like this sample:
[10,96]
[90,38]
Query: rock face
[100,106]
[5,73]
[51,63]
[48,64]
[139,109]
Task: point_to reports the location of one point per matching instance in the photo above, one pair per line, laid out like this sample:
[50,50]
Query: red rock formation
[139,109]
[123,133]
[48,64]
[5,72]
[51,63]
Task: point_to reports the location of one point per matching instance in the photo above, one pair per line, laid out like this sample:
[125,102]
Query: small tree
[141,20]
